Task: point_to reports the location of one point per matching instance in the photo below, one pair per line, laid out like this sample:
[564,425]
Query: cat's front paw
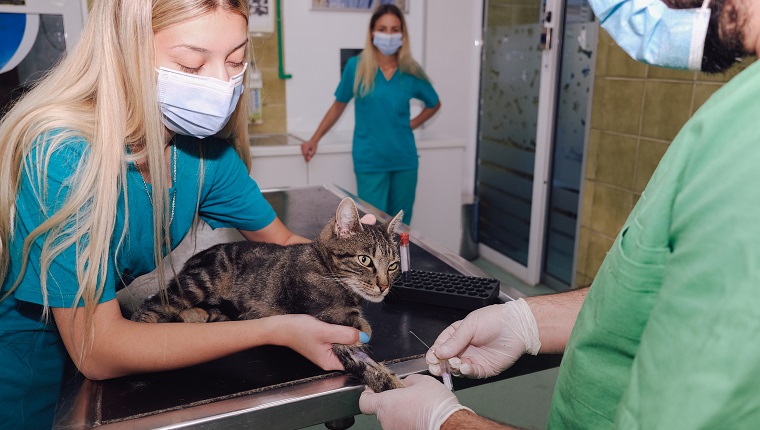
[375,375]
[194,315]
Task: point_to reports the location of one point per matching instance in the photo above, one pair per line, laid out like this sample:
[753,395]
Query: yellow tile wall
[513,12]
[274,115]
[636,112]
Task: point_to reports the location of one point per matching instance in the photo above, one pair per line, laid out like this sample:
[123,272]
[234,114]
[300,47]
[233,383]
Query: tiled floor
[507,278]
[522,401]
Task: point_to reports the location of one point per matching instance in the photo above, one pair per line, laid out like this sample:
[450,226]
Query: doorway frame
[532,273]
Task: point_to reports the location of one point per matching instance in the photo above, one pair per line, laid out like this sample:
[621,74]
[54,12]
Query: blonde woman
[383,79]
[108,162]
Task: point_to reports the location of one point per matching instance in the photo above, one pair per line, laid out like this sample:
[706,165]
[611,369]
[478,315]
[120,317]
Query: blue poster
[12,27]
[18,31]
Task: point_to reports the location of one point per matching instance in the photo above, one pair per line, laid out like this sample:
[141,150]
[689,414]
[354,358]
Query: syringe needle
[445,368]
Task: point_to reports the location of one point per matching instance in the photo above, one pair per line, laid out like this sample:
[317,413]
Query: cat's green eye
[393,266]
[364,260]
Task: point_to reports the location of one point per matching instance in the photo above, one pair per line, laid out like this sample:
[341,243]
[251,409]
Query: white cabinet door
[333,168]
[279,171]
[438,203]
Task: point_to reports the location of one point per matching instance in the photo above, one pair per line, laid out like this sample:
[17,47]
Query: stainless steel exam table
[273,387]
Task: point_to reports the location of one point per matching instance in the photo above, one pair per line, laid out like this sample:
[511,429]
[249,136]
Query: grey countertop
[335,142]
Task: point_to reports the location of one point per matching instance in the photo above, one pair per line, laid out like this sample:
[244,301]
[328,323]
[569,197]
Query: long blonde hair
[103,91]
[366,70]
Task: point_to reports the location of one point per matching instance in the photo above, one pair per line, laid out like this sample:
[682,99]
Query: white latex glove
[487,342]
[423,404]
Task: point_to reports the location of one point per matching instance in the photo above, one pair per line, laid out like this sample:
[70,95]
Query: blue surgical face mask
[388,44]
[196,105]
[651,32]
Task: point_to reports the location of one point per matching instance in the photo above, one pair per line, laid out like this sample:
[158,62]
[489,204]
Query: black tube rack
[445,289]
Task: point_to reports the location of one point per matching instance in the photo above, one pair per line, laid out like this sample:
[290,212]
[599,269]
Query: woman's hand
[369,219]
[313,338]
[308,149]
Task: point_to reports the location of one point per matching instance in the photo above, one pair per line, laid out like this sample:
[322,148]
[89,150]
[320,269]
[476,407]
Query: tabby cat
[328,279]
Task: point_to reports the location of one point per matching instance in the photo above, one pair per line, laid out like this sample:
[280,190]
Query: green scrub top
[33,354]
[383,138]
[669,334]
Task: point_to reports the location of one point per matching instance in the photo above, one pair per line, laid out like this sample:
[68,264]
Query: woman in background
[104,167]
[383,79]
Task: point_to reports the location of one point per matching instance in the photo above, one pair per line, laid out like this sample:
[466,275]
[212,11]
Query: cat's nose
[383,287]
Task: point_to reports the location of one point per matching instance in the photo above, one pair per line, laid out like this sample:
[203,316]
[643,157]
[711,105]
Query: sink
[280,139]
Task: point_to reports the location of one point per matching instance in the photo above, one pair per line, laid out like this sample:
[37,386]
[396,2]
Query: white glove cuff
[442,419]
[519,318]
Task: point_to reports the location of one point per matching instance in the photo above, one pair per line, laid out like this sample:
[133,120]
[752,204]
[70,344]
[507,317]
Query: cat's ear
[347,219]
[393,224]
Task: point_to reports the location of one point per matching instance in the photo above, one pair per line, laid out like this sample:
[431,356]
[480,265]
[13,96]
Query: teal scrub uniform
[383,139]
[669,334]
[33,354]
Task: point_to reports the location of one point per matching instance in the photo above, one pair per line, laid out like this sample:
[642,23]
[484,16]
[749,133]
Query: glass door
[518,87]
[537,75]
[576,82]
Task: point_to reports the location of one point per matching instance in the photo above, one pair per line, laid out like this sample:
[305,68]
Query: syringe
[445,367]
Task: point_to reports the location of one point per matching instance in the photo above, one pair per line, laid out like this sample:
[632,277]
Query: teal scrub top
[383,138]
[33,354]
[669,334]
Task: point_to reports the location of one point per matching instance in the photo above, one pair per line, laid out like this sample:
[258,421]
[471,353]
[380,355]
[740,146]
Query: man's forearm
[465,419]
[555,315]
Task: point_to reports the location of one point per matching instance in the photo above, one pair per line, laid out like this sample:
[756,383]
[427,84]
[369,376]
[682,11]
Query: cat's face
[364,257]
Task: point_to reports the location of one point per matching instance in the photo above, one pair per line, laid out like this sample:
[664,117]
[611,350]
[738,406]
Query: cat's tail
[360,365]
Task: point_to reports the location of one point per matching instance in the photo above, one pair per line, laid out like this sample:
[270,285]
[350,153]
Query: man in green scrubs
[667,335]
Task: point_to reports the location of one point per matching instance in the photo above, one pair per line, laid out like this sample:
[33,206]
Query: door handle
[547,31]
[545,43]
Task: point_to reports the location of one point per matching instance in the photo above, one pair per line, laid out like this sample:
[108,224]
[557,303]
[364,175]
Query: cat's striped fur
[329,278]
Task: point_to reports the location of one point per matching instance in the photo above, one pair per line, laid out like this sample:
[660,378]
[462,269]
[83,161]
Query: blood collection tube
[403,247]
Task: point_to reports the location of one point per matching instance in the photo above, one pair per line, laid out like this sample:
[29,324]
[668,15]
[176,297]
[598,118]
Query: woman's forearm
[275,232]
[122,347]
[331,117]
[425,115]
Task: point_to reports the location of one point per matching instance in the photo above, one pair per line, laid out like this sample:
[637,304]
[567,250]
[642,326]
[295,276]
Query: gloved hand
[423,404]
[487,342]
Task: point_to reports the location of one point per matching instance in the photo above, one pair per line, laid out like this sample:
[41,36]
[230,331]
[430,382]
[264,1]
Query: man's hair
[724,44]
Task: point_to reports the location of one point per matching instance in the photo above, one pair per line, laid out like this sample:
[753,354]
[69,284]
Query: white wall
[443,34]
[452,59]
[313,40]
